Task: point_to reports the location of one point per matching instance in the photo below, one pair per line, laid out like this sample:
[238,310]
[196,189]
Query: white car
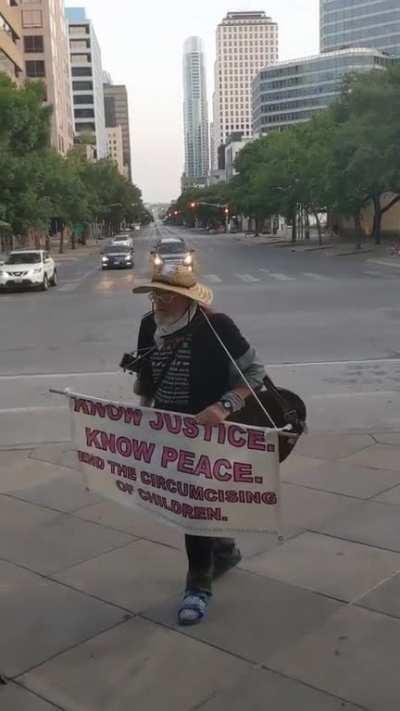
[30,268]
[122,241]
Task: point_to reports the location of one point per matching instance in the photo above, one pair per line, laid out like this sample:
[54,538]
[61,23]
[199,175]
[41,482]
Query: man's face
[168,306]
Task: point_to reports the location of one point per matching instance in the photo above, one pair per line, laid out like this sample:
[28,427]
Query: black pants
[204,555]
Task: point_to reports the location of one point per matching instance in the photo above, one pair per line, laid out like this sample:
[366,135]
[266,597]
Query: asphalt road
[326,326]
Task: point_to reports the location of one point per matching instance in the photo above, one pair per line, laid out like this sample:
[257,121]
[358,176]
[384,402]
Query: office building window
[81,59]
[33,44]
[35,69]
[32,18]
[84,113]
[82,85]
[81,71]
[83,99]
[85,126]
[79,44]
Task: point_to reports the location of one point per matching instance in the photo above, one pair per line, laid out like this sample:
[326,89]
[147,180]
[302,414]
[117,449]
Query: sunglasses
[161,297]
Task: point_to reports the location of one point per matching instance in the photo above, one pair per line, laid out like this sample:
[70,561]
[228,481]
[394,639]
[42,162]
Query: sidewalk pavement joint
[313,617]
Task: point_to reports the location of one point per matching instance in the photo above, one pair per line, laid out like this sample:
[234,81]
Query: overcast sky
[141,42]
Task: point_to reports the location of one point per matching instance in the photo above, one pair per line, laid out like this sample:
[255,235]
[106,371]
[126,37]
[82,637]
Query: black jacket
[209,370]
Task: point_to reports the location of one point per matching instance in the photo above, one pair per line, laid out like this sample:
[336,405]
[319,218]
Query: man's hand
[212,415]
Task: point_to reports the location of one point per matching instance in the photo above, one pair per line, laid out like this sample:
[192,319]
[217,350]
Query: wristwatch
[227,405]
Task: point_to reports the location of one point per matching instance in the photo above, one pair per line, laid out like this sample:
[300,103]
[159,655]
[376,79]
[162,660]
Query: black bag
[284,407]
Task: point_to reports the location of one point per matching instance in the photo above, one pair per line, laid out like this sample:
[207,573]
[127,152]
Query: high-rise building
[246,42]
[117,114]
[195,114]
[292,92]
[116,149]
[87,78]
[46,57]
[11,61]
[360,23]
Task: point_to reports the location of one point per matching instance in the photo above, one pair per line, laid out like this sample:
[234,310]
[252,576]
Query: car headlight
[38,270]
[158,261]
[188,259]
[128,258]
[104,259]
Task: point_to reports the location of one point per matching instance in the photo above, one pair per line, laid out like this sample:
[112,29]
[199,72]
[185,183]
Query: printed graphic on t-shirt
[174,388]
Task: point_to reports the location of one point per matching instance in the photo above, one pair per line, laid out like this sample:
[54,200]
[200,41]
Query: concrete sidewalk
[332,247]
[92,247]
[88,594]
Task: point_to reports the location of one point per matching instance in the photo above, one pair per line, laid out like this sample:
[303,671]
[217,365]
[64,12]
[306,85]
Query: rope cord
[242,375]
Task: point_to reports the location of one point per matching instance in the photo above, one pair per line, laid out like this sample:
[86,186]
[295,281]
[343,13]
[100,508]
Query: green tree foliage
[345,159]
[38,185]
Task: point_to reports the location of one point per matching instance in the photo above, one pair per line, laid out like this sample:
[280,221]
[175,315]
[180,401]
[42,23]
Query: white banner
[205,480]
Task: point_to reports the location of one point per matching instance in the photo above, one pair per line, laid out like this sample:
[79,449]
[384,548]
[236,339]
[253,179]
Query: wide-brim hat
[177,279]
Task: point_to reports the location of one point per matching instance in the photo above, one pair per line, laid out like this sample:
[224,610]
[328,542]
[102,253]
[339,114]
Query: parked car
[28,268]
[117,257]
[172,249]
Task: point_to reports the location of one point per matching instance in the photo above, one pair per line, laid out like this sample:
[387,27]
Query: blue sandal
[194,608]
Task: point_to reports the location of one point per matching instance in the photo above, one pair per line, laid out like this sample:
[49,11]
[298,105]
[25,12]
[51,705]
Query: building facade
[195,114]
[246,43]
[87,79]
[117,114]
[292,92]
[360,23]
[116,148]
[46,57]
[234,146]
[11,60]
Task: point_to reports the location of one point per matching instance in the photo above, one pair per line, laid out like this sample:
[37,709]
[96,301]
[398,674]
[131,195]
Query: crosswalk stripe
[213,278]
[317,277]
[277,275]
[247,278]
[68,287]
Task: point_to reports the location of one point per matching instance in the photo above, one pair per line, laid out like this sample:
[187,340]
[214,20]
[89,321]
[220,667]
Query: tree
[369,116]
[37,185]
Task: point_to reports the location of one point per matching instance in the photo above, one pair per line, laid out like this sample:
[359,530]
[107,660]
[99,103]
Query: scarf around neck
[162,332]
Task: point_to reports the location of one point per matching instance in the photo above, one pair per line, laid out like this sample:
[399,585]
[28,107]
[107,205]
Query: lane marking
[281,277]
[247,278]
[61,375]
[73,284]
[317,396]
[316,277]
[27,410]
[337,396]
[110,373]
[395,265]
[68,287]
[277,275]
[213,278]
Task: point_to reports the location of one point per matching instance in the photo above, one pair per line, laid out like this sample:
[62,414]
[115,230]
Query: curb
[358,252]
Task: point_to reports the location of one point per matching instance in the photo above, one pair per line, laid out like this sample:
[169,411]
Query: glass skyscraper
[293,92]
[195,114]
[360,23]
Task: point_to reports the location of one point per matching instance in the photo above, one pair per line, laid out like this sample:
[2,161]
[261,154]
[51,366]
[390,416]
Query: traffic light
[226,211]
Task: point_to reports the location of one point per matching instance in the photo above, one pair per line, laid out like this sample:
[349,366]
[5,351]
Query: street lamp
[226,219]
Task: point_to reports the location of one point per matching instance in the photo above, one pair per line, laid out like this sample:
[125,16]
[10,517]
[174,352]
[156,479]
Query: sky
[142,42]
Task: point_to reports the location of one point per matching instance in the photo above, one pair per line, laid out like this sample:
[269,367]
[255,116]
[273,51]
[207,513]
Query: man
[185,367]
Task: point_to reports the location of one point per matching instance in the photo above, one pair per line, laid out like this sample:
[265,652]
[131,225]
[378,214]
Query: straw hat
[178,279]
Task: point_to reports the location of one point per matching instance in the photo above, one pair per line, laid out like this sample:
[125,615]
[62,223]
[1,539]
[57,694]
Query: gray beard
[164,320]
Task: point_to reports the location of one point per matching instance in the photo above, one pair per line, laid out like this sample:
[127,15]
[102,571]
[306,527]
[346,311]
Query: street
[325,326]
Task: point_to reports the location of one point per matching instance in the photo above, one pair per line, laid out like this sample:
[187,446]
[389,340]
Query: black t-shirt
[191,371]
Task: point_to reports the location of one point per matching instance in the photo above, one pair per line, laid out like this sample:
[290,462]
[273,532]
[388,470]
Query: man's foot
[225,561]
[194,608]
